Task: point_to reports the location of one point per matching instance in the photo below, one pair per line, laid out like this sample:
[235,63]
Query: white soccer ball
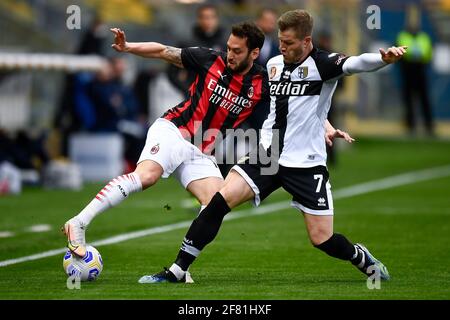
[87,268]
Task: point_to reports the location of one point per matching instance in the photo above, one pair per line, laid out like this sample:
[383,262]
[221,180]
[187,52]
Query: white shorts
[166,146]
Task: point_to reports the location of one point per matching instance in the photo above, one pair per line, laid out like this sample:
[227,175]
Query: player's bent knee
[228,197]
[148,178]
[213,187]
[319,236]
[204,189]
[149,173]
[235,197]
[205,197]
[236,190]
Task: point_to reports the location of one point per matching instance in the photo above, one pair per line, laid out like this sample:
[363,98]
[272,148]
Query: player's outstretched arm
[146,49]
[331,133]
[368,62]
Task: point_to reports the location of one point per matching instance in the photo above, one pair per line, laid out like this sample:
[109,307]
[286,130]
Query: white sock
[111,195]
[177,271]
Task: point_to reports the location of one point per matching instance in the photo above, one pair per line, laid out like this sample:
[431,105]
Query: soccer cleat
[371,261]
[75,232]
[166,276]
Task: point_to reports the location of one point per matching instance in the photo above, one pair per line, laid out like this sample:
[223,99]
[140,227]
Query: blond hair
[299,20]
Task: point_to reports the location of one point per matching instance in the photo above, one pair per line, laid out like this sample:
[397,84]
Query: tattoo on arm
[173,55]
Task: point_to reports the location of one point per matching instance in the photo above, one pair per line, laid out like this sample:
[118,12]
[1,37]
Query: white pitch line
[358,189]
[6,234]
[39,228]
[393,181]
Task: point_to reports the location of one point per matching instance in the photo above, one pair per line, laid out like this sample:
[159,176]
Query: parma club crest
[303,72]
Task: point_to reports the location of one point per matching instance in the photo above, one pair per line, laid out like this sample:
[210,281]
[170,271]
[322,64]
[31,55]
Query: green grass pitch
[256,257]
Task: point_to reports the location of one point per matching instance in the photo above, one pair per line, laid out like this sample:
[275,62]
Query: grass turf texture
[258,257]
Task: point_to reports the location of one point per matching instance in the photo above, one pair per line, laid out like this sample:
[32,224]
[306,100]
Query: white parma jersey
[300,97]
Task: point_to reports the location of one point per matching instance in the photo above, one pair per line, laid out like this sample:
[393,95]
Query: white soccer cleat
[76,240]
[370,260]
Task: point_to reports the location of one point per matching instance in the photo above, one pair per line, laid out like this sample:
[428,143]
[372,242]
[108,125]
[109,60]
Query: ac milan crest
[273,72]
[154,149]
[250,92]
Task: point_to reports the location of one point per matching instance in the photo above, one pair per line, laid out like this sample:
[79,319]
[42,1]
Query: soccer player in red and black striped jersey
[228,87]
[224,93]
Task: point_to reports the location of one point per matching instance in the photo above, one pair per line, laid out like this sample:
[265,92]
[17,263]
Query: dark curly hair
[250,31]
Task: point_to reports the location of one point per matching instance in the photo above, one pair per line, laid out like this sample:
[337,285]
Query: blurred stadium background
[49,140]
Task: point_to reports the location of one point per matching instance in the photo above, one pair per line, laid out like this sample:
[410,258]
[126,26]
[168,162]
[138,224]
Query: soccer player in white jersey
[301,80]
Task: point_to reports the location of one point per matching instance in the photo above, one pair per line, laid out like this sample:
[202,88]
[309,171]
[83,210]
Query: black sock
[338,247]
[202,231]
[184,259]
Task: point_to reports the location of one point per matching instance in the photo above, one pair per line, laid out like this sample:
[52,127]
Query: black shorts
[309,187]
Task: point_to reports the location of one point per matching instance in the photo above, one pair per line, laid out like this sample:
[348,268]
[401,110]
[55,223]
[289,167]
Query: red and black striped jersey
[218,98]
